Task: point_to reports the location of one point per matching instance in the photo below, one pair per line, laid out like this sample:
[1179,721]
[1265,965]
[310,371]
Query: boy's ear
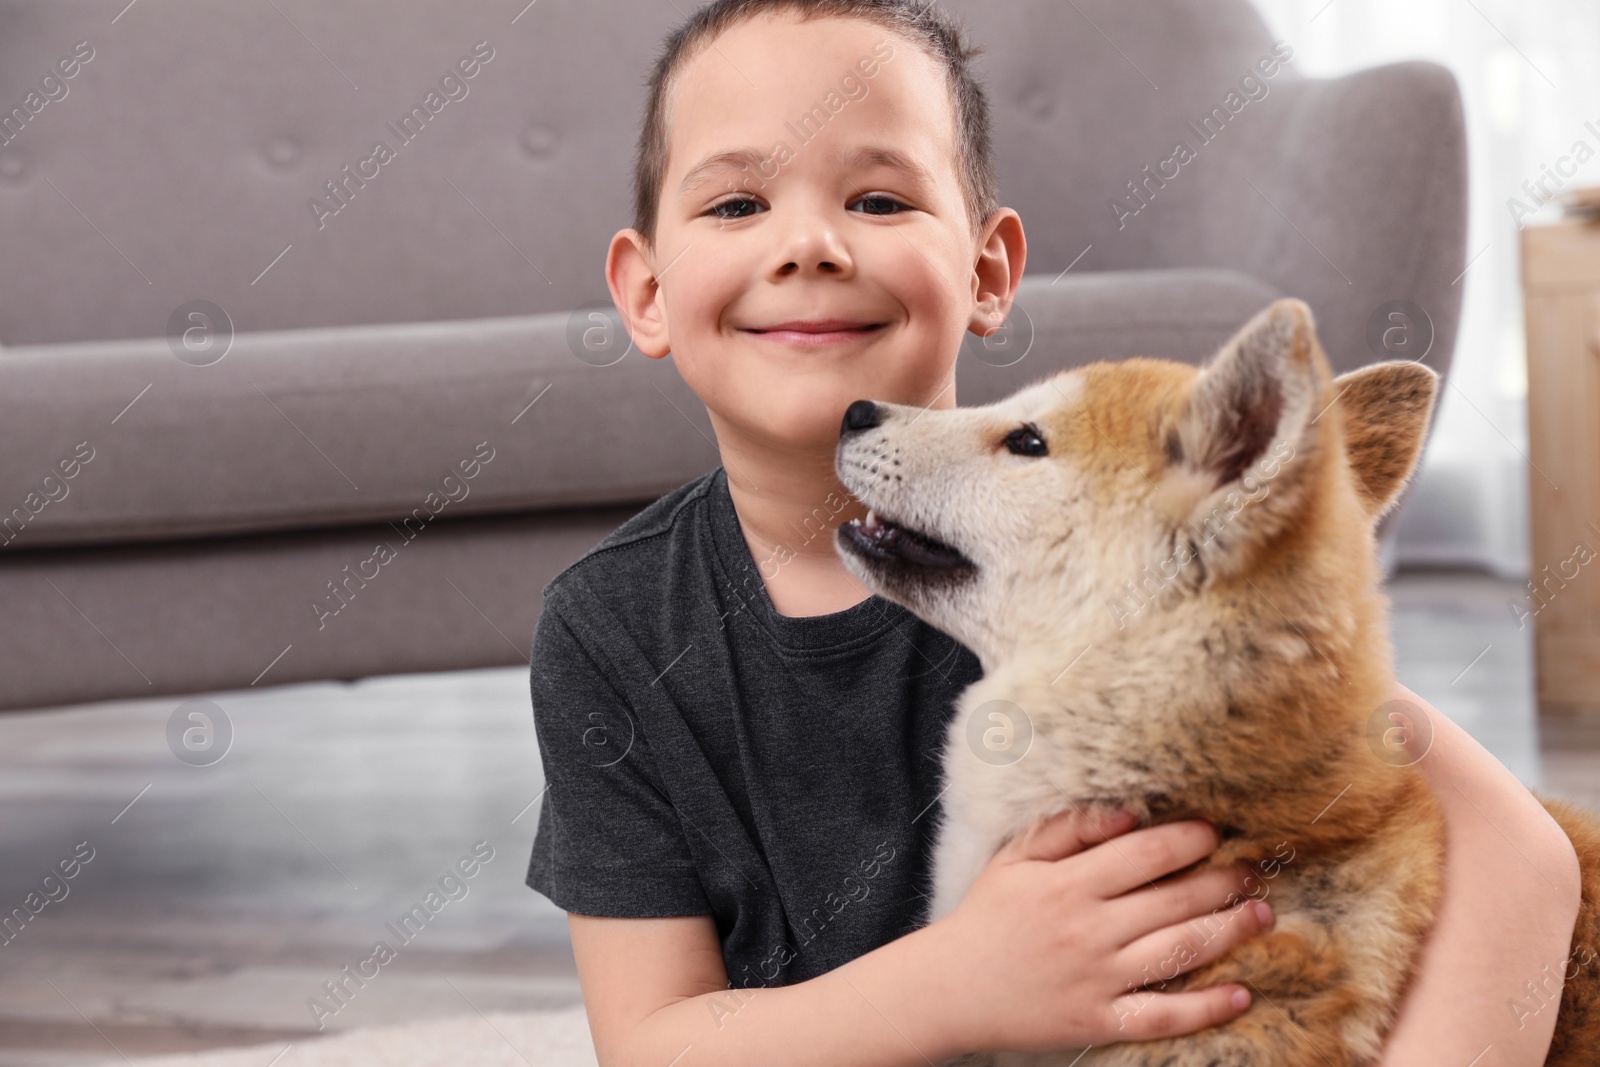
[633,290]
[1385,409]
[1247,433]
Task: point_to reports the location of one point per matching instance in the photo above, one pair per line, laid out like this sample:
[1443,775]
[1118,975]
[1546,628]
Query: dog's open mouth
[879,538]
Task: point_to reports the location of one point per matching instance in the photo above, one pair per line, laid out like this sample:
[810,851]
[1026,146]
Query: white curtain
[1529,72]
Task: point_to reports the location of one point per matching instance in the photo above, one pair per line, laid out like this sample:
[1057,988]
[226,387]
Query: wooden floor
[220,899]
[218,904]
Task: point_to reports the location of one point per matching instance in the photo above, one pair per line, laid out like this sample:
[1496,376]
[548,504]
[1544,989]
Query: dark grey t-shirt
[707,755]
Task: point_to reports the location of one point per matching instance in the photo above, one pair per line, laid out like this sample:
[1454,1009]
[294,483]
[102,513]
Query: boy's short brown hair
[920,22]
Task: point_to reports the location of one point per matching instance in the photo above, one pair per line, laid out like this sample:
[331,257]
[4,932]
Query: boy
[743,747]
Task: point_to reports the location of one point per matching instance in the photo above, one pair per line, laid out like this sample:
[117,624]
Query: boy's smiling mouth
[816,332]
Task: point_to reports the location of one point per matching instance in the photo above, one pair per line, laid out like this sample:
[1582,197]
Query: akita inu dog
[1169,576]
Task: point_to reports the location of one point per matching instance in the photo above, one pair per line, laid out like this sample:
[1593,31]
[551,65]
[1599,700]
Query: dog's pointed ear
[1244,437]
[1385,409]
[1258,390]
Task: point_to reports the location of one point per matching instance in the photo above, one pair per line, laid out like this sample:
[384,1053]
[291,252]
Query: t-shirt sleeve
[608,840]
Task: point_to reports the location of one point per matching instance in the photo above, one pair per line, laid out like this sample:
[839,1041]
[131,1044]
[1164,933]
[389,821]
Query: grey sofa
[407,410]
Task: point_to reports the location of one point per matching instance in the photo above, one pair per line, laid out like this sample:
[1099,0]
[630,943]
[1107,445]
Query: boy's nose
[862,415]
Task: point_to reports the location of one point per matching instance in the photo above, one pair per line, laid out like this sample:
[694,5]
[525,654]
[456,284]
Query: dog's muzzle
[885,540]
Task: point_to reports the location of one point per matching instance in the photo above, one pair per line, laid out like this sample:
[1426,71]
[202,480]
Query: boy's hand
[1063,926]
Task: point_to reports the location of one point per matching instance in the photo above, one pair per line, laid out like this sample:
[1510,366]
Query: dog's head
[1105,494]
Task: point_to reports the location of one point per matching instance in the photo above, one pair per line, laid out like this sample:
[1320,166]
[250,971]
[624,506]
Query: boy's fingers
[1068,832]
[1139,858]
[1144,1015]
[1200,895]
[1167,953]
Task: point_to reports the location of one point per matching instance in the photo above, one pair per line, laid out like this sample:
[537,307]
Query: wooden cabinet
[1561,290]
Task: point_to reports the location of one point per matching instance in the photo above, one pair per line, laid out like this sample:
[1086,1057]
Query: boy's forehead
[755,85]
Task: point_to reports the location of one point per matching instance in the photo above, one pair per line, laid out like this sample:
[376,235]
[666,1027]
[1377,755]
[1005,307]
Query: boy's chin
[807,440]
[800,424]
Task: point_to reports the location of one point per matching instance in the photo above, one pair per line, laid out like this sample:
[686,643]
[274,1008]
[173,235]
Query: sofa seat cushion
[110,442]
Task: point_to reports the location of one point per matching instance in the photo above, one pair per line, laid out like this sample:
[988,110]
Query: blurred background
[1529,84]
[241,354]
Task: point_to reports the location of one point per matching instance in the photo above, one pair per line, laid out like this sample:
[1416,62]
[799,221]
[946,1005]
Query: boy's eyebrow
[868,156]
[738,159]
[859,158]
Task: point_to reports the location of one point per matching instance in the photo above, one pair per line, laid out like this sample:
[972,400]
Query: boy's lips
[822,332]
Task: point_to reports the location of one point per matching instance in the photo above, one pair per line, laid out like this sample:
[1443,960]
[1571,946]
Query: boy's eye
[717,208]
[881,200]
[1025,441]
[733,208]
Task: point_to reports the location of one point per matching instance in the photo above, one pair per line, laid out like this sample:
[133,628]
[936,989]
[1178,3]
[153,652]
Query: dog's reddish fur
[1266,733]
[1385,821]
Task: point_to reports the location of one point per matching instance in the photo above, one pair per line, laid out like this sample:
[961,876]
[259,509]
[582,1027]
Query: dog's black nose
[862,415]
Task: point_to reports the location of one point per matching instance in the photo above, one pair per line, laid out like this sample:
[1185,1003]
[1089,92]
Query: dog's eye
[1026,441]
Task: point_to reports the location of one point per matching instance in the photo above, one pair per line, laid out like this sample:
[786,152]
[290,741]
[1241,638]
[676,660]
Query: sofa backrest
[181,160]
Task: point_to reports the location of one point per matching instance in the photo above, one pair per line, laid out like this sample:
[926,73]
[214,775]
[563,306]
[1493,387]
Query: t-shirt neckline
[855,624]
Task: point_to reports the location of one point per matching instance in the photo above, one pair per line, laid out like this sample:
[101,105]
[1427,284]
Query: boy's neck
[788,508]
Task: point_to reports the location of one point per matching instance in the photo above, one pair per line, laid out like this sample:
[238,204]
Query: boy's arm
[1506,916]
[1034,958]
[656,993]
